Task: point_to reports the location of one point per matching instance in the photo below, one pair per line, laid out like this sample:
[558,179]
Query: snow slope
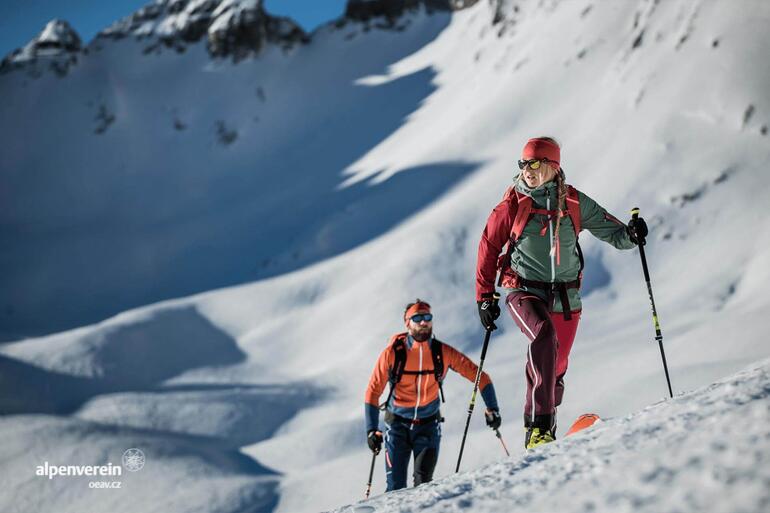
[707,450]
[362,169]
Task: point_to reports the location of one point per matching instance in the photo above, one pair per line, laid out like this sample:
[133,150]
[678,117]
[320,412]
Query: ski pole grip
[496,299]
[634,217]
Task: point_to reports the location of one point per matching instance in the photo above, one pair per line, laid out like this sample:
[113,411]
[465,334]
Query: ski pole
[658,333]
[371,475]
[475,388]
[498,435]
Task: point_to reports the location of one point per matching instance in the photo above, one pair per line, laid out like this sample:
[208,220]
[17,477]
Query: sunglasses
[421,317]
[533,164]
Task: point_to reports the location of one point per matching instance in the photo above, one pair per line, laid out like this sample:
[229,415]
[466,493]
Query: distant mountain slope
[170,174]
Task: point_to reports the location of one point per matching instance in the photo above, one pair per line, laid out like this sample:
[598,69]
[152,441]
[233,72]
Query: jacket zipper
[419,383]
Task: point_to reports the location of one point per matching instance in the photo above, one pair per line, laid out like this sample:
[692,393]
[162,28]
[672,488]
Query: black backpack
[398,370]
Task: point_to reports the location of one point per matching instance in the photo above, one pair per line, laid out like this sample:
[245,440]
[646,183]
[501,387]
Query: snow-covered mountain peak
[57,43]
[58,35]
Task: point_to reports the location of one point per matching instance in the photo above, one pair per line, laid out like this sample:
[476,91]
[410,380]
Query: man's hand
[374,439]
[637,230]
[493,418]
[489,311]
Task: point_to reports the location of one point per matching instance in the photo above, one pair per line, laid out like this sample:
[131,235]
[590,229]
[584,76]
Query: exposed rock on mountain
[236,28]
[363,10]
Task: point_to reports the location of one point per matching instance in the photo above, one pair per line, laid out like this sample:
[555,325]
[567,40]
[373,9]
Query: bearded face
[420,331]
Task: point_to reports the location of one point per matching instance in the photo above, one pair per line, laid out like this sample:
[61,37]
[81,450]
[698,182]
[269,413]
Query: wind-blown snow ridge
[706,450]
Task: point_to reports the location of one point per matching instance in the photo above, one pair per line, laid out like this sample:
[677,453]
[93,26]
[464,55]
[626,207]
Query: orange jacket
[418,394]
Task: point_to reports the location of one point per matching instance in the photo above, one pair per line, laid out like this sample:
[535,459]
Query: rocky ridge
[364,10]
[234,29]
[231,29]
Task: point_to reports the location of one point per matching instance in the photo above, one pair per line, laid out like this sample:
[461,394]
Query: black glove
[637,230]
[374,439]
[493,419]
[489,311]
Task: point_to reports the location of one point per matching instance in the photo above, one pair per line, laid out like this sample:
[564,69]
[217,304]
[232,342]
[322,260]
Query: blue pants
[404,440]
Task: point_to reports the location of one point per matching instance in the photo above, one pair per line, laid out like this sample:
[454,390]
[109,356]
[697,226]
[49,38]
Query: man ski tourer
[415,364]
[539,219]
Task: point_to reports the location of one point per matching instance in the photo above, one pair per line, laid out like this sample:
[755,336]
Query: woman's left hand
[637,230]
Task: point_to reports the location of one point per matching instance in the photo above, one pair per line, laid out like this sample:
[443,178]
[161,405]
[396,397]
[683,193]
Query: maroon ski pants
[550,340]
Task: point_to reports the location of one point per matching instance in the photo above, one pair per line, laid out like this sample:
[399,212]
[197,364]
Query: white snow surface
[203,259]
[705,450]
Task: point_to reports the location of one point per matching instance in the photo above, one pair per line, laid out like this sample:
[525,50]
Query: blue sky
[21,20]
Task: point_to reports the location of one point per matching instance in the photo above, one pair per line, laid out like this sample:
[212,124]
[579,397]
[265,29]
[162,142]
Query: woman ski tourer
[538,222]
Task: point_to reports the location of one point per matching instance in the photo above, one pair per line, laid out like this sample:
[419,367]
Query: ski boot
[536,437]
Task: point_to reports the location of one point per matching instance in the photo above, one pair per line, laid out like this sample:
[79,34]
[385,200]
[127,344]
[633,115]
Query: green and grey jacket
[531,257]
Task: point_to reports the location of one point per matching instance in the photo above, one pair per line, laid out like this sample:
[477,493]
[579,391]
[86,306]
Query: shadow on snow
[254,210]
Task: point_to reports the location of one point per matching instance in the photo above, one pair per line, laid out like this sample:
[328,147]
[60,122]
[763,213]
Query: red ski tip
[584,421]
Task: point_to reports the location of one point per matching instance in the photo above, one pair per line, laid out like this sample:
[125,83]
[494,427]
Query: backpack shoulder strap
[398,346]
[523,211]
[437,353]
[520,207]
[399,363]
[573,208]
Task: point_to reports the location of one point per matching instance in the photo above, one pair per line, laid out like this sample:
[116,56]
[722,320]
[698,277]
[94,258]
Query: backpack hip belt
[551,289]
[391,417]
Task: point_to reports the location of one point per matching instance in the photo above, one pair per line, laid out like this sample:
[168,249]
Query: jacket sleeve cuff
[489,396]
[482,294]
[372,416]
